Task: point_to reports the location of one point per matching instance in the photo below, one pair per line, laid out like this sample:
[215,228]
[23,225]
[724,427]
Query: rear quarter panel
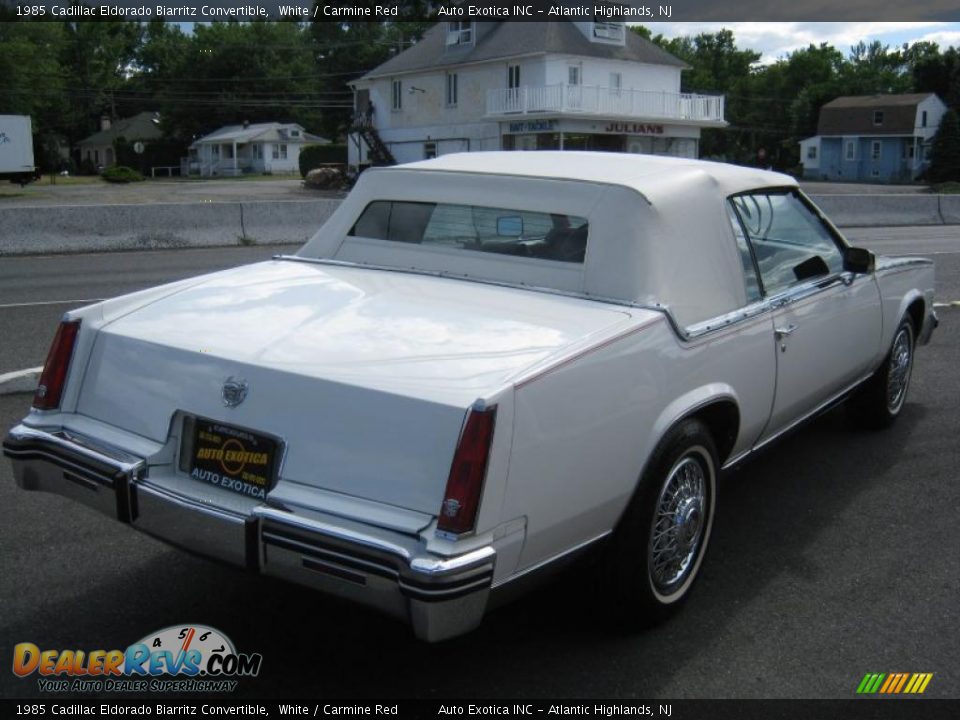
[584,429]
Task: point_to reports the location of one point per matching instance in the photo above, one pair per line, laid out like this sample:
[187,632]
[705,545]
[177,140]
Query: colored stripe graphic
[903,680]
[894,683]
[870,683]
[892,679]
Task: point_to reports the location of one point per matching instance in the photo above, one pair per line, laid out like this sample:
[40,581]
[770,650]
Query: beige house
[98,148]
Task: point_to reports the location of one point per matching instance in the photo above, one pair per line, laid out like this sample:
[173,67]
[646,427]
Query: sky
[775,40]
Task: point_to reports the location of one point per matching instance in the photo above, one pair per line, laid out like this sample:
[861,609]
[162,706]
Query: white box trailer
[16,149]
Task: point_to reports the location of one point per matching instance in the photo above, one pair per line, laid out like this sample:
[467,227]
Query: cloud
[774,40]
[944,38]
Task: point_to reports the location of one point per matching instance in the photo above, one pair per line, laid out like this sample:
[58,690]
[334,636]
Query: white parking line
[86,301]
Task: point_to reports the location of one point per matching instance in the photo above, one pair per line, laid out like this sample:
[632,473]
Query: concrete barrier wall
[79,228]
[285,222]
[950,209]
[881,210]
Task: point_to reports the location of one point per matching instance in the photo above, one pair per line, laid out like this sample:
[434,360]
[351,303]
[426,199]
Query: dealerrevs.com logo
[180,658]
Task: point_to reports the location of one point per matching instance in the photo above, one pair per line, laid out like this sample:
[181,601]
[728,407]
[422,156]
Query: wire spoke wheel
[898,372]
[655,554]
[880,400]
[679,522]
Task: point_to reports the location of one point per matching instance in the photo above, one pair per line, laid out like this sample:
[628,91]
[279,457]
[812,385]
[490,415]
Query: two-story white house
[469,86]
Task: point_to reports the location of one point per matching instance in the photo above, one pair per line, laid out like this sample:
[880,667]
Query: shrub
[947,188]
[121,174]
[314,156]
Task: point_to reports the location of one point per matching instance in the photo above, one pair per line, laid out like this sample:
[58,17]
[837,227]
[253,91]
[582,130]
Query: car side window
[790,243]
[754,292]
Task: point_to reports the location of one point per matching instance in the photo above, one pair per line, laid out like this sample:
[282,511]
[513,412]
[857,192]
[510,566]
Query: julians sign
[634,128]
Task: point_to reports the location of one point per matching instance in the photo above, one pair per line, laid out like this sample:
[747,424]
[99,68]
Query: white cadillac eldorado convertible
[479,366]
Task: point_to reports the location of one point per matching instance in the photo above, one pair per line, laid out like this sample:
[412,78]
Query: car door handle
[782,332]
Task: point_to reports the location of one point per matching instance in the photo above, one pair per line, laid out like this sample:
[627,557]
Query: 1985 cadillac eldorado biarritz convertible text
[479,366]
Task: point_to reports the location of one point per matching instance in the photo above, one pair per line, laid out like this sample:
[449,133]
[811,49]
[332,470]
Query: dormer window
[459,33]
[878,117]
[608,31]
[605,28]
[294,133]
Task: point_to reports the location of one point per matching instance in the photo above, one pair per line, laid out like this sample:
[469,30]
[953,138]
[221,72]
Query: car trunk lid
[364,376]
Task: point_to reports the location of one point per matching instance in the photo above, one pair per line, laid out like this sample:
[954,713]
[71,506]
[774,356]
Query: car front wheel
[880,401]
[658,547]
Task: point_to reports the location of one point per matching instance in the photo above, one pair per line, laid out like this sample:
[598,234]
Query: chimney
[104,122]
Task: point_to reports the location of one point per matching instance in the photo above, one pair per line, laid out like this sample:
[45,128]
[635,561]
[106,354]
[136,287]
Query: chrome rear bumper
[440,597]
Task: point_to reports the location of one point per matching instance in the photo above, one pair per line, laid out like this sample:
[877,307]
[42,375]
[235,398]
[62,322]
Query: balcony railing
[596,100]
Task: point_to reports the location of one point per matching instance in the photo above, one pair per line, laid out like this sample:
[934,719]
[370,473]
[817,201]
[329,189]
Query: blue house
[873,138]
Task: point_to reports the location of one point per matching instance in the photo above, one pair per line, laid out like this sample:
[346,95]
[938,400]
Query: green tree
[938,73]
[347,50]
[227,73]
[874,69]
[945,152]
[97,58]
[31,81]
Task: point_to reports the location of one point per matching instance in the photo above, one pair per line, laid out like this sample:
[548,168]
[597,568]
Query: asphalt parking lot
[834,555]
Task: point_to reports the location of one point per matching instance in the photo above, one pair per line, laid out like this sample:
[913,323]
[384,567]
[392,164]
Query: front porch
[224,160]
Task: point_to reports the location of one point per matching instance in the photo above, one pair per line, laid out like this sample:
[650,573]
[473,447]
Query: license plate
[231,458]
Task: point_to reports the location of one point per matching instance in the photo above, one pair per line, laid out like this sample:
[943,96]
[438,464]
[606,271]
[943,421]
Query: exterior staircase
[379,153]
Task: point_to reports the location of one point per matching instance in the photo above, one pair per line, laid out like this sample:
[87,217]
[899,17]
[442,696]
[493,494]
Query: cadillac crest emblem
[234,391]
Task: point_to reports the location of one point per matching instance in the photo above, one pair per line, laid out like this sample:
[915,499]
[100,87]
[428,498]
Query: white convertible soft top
[659,232]
[649,175]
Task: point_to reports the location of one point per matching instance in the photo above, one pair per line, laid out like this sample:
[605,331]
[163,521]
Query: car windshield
[547,236]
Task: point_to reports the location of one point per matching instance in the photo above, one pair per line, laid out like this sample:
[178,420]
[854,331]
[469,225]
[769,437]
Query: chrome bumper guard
[440,597]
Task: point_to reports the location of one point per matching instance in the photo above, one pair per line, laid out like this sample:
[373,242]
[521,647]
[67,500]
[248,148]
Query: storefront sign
[531,126]
[634,128]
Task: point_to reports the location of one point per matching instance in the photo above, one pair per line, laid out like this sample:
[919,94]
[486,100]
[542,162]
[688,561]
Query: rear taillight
[461,499]
[54,375]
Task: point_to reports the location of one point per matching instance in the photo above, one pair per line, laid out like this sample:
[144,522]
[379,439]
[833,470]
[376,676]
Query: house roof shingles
[853,115]
[513,39]
[258,131]
[142,126]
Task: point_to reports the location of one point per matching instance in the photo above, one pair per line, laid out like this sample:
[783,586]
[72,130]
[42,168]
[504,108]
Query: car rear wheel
[880,401]
[657,549]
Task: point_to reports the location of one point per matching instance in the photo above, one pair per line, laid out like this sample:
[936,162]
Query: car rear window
[548,236]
